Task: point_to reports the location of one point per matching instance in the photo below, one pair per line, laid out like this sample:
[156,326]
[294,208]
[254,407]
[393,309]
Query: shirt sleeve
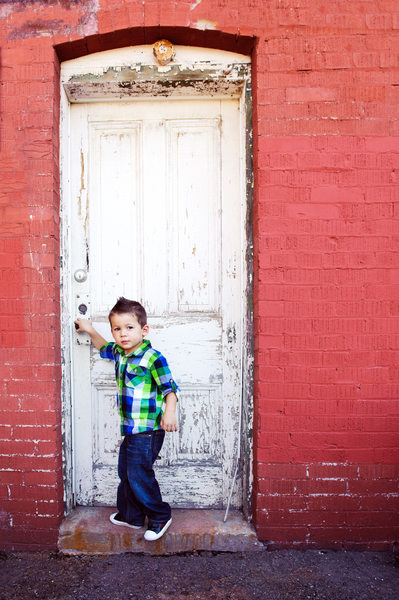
[163,377]
[108,351]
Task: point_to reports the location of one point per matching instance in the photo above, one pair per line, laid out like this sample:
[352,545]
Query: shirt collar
[138,352]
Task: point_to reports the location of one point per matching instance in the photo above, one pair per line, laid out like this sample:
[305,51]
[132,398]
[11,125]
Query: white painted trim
[136,56]
[66,307]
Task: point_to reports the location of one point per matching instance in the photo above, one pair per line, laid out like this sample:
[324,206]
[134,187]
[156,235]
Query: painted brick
[38,478]
[48,509]
[283,502]
[311,94]
[40,492]
[326,127]
[36,523]
[379,502]
[31,463]
[341,504]
[379,21]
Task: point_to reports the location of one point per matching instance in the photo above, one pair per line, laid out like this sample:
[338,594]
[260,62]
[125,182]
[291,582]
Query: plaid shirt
[143,378]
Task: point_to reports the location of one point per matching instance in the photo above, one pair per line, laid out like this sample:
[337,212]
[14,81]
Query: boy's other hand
[169,421]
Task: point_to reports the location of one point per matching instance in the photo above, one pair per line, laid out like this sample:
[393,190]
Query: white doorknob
[80,275]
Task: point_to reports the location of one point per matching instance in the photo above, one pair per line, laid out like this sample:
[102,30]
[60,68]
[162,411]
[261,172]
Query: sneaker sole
[115,522]
[151,536]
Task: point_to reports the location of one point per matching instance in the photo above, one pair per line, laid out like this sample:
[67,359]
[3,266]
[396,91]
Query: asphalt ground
[276,575]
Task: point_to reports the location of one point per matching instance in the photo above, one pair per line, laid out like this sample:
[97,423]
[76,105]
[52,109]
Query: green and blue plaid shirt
[144,379]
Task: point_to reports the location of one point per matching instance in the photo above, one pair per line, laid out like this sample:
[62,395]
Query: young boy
[144,383]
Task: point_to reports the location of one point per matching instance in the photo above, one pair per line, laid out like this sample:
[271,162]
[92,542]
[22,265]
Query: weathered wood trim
[248,333]
[66,312]
[151,81]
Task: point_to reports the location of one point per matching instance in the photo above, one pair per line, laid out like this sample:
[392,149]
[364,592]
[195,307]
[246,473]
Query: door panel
[156,205]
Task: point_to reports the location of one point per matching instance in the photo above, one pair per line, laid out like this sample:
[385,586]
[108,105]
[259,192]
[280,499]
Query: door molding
[130,74]
[148,82]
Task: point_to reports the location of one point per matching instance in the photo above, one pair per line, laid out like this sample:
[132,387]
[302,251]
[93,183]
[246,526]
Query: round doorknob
[80,275]
[82,308]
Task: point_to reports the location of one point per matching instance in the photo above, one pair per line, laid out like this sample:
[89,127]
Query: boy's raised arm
[85,326]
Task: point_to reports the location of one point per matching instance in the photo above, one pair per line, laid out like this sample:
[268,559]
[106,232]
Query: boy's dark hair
[129,306]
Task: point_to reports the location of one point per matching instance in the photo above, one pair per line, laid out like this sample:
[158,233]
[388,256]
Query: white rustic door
[156,217]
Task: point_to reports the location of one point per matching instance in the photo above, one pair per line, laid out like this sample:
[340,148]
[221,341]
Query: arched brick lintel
[135,36]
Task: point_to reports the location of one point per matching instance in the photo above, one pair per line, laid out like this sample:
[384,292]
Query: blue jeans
[138,494]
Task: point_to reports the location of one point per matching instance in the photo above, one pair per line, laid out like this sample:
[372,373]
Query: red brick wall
[327,317]
[326,156]
[31,488]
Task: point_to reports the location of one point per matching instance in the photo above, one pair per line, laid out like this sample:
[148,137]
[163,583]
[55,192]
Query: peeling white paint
[205,24]
[90,26]
[6,10]
[195,4]
[135,57]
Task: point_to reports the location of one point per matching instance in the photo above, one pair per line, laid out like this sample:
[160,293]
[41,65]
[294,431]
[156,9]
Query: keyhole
[82,308]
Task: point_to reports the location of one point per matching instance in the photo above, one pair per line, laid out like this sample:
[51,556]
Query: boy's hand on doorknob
[83,325]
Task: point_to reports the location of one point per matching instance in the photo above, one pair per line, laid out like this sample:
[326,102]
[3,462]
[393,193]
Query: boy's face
[127,331]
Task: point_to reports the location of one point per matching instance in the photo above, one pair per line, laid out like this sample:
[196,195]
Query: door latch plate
[82,309]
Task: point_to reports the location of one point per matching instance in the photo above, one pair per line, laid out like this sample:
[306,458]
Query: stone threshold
[88,531]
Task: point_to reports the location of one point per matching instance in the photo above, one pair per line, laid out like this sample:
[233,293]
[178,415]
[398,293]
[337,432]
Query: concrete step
[88,530]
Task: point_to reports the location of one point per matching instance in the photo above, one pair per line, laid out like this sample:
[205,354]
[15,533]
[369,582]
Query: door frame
[132,74]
